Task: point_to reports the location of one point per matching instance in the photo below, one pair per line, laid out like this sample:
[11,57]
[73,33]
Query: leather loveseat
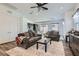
[54,35]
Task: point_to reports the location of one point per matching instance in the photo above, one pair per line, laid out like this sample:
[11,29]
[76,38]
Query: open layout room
[39,29]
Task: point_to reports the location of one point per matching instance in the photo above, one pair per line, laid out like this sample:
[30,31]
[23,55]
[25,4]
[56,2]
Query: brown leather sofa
[30,39]
[54,35]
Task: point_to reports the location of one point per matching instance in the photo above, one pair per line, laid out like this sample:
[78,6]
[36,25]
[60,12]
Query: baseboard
[7,42]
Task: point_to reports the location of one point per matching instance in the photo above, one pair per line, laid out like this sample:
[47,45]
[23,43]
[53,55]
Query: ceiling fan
[40,6]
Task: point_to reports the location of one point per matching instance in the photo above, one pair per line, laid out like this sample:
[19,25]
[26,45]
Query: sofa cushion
[18,40]
[53,33]
[25,40]
[34,34]
[21,34]
[76,33]
[27,34]
[33,39]
[30,33]
[22,37]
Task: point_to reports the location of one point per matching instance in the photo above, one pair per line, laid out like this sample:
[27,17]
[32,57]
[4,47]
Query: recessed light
[63,22]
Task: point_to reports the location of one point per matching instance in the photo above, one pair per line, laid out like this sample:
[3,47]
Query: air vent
[10,12]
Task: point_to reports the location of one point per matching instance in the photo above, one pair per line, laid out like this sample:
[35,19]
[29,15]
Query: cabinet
[74,44]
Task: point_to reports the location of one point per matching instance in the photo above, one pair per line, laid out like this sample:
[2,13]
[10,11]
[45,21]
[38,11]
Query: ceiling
[55,11]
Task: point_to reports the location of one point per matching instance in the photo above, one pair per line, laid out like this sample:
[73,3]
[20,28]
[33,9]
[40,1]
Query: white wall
[68,19]
[8,25]
[68,22]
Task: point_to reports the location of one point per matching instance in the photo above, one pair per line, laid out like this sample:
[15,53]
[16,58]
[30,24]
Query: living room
[38,29]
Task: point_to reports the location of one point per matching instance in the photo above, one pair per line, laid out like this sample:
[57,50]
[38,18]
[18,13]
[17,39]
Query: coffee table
[43,41]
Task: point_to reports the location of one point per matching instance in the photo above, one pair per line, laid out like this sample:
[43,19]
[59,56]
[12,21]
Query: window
[44,28]
[55,27]
[76,20]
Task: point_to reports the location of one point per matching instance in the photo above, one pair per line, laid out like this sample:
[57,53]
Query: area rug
[55,49]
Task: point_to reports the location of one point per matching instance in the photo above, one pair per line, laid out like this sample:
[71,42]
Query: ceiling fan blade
[44,4]
[38,4]
[45,8]
[33,7]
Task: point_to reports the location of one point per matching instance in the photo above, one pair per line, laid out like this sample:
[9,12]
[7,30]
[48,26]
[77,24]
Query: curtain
[33,27]
[30,26]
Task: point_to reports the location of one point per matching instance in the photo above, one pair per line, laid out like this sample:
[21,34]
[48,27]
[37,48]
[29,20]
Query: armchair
[54,35]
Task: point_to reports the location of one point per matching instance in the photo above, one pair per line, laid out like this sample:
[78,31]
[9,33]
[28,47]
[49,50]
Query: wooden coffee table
[44,41]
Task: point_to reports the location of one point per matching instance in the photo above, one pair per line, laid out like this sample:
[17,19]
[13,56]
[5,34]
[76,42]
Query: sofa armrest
[58,36]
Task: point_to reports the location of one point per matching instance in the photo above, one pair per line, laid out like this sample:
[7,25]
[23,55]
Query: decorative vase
[42,36]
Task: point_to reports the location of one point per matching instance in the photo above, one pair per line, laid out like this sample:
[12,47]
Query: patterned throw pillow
[27,35]
[18,40]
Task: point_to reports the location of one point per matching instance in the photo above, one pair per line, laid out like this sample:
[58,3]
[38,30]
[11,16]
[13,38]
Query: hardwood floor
[5,47]
[68,52]
[10,45]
